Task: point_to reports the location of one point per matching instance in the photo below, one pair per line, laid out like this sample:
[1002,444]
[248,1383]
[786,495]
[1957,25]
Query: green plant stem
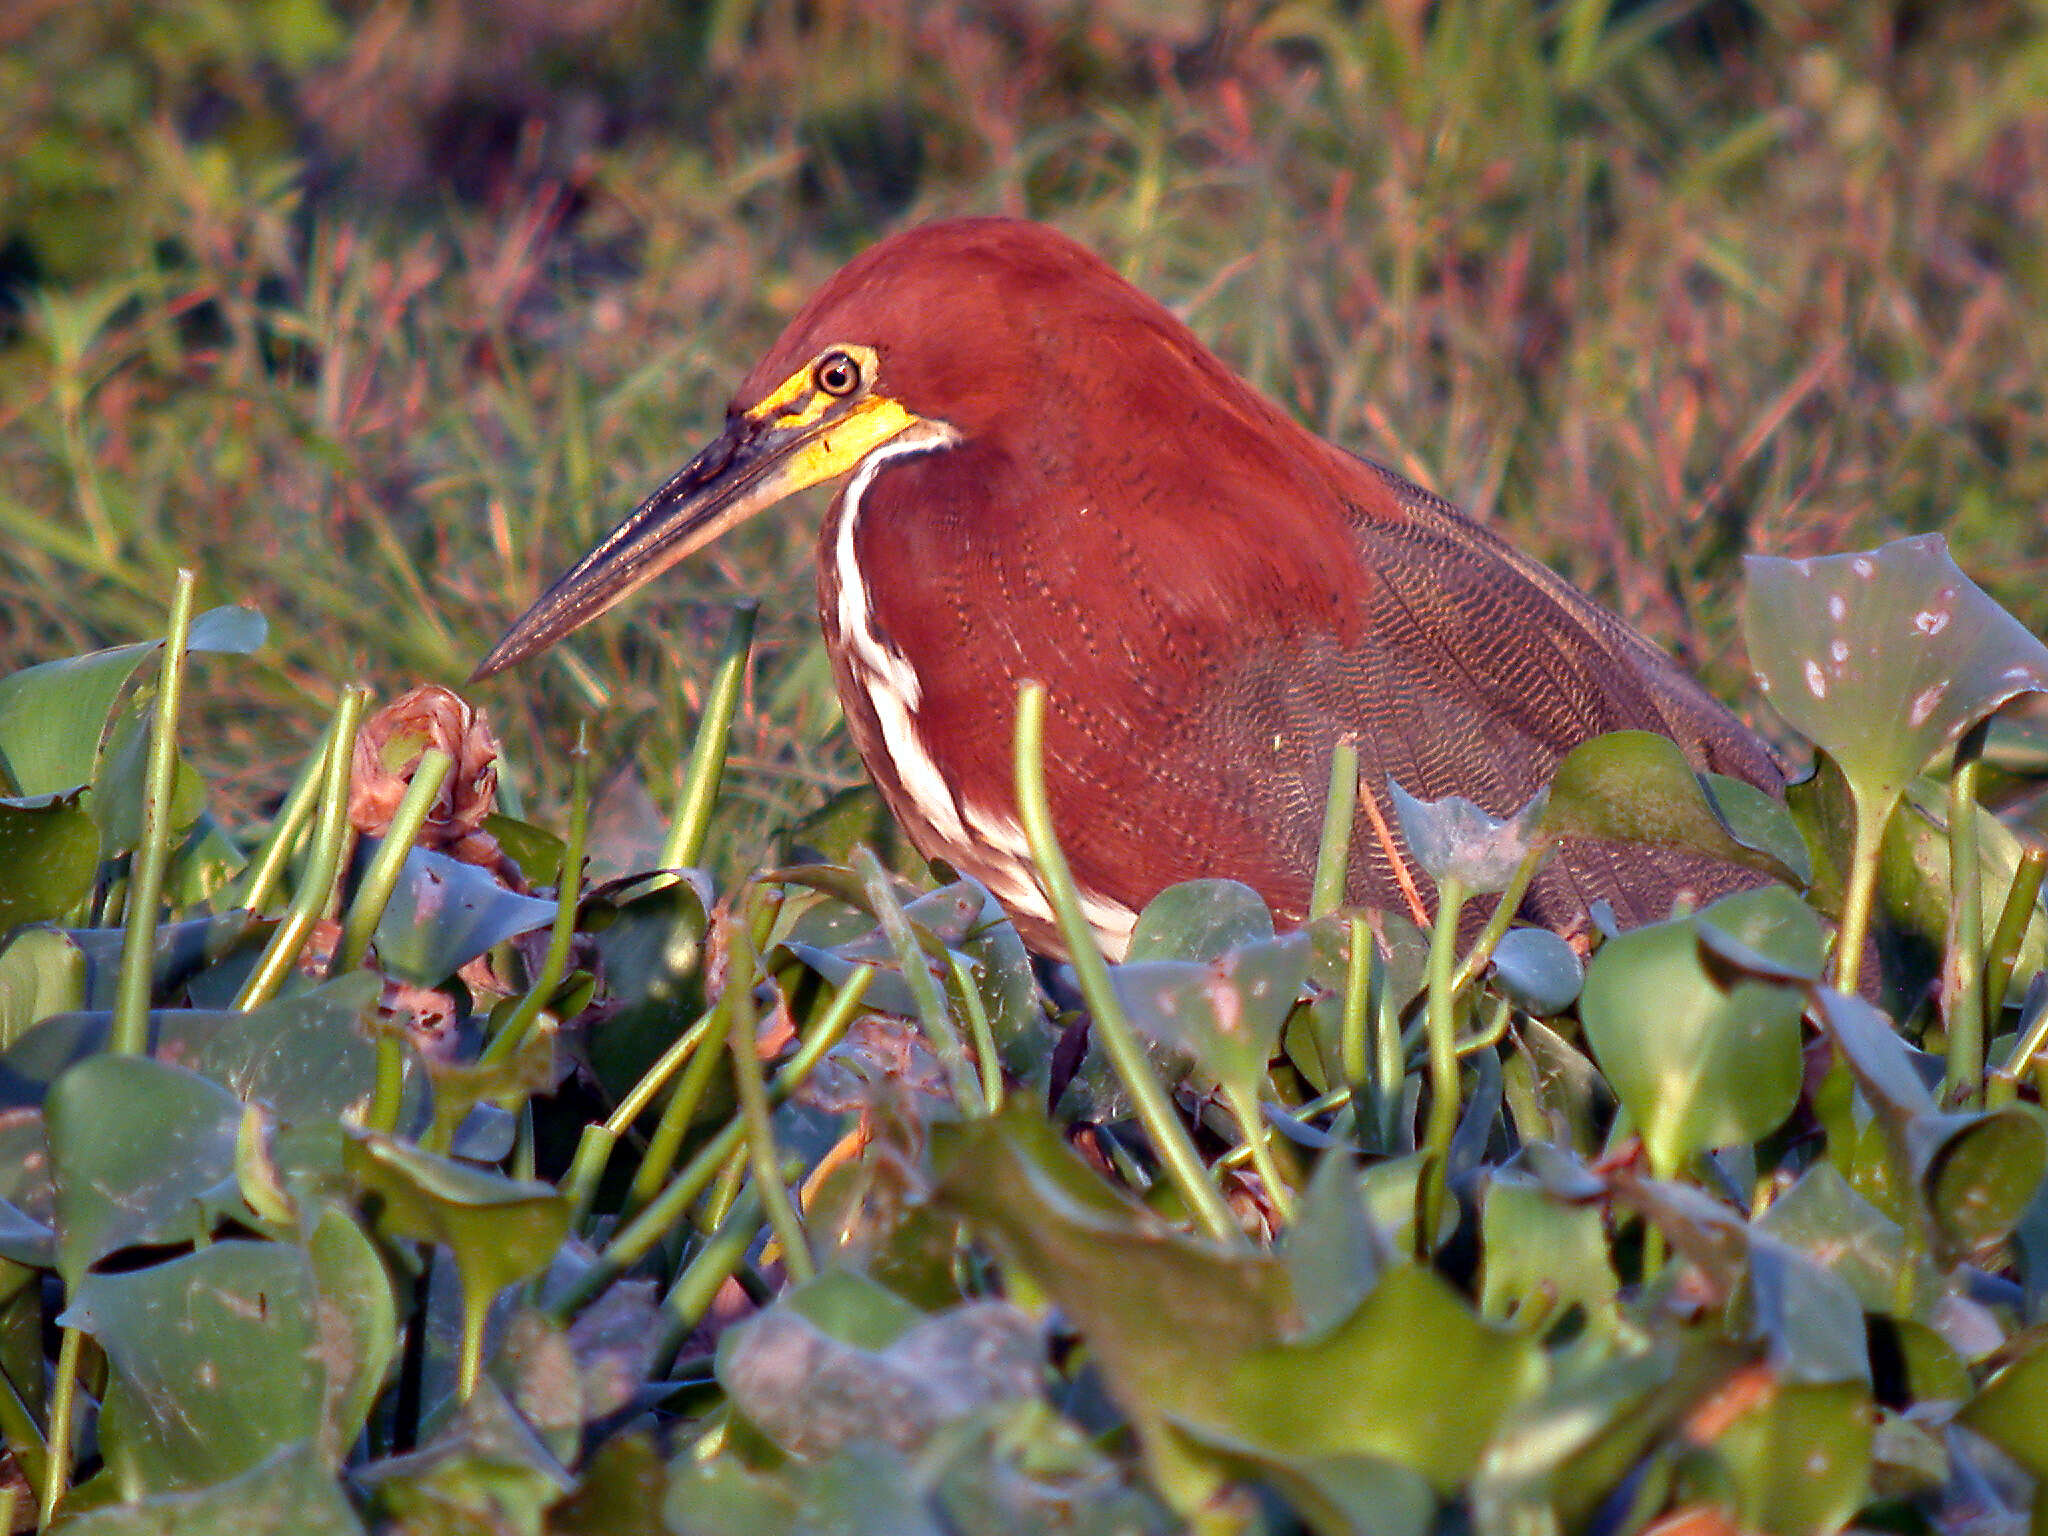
[563,936]
[373,895]
[1502,915]
[1390,1066]
[934,1019]
[1441,1026]
[1963,967]
[740,1025]
[1860,895]
[267,869]
[666,1143]
[388,1097]
[1256,1134]
[986,1057]
[684,845]
[2010,934]
[1149,1097]
[1322,1104]
[697,1286]
[129,1034]
[638,1237]
[1333,851]
[725,1189]
[330,836]
[63,1412]
[1361,964]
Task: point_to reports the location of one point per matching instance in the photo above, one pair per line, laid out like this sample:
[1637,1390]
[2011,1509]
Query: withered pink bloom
[388,749]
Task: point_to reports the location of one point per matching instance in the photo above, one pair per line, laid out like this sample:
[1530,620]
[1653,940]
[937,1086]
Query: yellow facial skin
[806,431]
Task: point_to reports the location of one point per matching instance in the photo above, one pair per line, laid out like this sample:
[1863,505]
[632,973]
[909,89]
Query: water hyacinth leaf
[812,1393]
[1537,971]
[1540,1254]
[444,913]
[140,1152]
[1881,1063]
[1412,1377]
[1019,1467]
[41,972]
[1453,839]
[1809,1318]
[1179,1307]
[1827,1220]
[1883,659]
[1638,787]
[498,1230]
[53,716]
[1226,1013]
[2011,1410]
[24,1240]
[289,1493]
[1199,920]
[210,1356]
[306,1056]
[1799,1457]
[1913,872]
[180,955]
[1979,1172]
[1697,1061]
[863,1490]
[49,850]
[1333,1250]
[537,851]
[1333,1493]
[120,783]
[486,1457]
[1017,1017]
[357,1326]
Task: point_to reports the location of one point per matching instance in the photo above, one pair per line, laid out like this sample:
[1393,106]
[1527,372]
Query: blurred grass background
[378,313]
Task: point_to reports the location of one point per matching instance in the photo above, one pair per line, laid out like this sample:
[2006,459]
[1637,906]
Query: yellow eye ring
[836,374]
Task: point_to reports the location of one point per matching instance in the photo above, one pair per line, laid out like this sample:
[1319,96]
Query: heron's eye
[836,374]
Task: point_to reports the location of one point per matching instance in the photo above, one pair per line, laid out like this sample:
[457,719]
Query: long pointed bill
[751,466]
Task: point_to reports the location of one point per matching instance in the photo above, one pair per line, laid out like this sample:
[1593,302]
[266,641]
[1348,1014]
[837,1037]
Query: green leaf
[1799,1459]
[53,716]
[1883,659]
[444,913]
[1543,1253]
[141,1152]
[1226,1013]
[356,1326]
[121,780]
[1697,1060]
[499,1230]
[49,850]
[1834,1226]
[210,1357]
[2011,1410]
[289,1493]
[1412,1377]
[1638,787]
[1199,920]
[41,973]
[1979,1171]
[1537,971]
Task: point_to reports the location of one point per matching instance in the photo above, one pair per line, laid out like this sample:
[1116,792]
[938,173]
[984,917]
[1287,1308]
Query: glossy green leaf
[41,972]
[1226,1013]
[1883,659]
[1808,1317]
[120,780]
[1412,1377]
[498,1230]
[2011,1409]
[289,1493]
[1333,1250]
[1697,1061]
[444,913]
[1537,971]
[1799,1460]
[1834,1226]
[356,1324]
[1199,920]
[1638,787]
[49,850]
[212,1359]
[140,1152]
[1978,1172]
[1541,1255]
[53,716]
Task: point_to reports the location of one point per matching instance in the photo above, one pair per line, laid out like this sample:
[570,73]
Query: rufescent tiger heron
[1045,475]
